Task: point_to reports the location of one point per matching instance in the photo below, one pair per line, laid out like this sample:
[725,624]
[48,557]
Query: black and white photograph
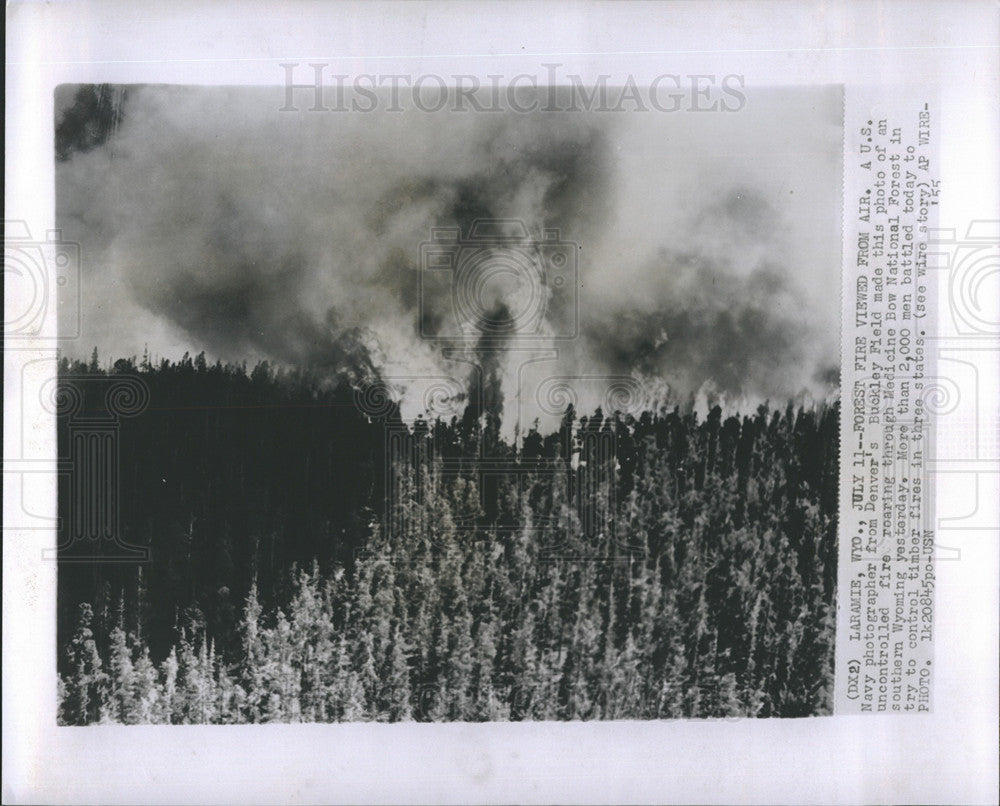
[492,405]
[560,401]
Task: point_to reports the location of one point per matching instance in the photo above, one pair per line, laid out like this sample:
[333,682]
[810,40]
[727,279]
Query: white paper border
[949,756]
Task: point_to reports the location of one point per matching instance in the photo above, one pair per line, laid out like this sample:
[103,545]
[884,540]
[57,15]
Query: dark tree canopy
[688,571]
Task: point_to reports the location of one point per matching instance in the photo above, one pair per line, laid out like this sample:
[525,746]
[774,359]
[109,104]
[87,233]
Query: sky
[702,250]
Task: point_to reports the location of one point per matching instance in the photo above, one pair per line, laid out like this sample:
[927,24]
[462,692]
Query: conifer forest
[311,559]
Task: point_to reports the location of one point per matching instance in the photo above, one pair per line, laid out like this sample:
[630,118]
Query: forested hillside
[619,568]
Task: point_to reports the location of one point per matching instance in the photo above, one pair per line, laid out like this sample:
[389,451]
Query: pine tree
[121,706]
[85,688]
[146,694]
[252,675]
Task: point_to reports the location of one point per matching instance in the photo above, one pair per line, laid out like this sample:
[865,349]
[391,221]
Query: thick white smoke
[209,219]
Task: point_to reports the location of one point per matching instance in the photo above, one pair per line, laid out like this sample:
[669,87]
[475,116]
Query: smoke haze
[706,248]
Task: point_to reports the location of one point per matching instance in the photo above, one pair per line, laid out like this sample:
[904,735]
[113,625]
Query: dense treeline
[687,570]
[227,474]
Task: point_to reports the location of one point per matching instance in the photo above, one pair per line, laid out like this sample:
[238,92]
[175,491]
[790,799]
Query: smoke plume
[209,216]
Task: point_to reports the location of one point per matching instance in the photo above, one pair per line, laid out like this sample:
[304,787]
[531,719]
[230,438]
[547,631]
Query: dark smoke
[485,384]
[244,297]
[697,320]
[94,115]
[298,239]
[552,173]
